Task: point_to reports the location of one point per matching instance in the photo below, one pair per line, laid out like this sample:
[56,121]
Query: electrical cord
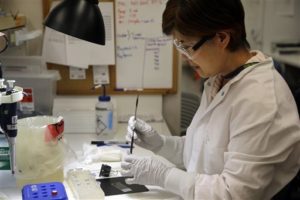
[6,44]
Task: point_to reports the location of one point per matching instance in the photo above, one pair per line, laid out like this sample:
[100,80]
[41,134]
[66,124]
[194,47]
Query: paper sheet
[100,74]
[54,47]
[77,73]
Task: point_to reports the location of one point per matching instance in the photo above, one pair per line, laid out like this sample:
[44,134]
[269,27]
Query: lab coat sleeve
[259,139]
[172,150]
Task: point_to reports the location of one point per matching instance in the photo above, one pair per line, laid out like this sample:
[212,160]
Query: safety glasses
[188,51]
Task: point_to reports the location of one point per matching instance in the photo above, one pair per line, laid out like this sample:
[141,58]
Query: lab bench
[76,141]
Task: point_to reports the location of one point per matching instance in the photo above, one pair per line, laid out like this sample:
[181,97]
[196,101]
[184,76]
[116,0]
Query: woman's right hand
[144,135]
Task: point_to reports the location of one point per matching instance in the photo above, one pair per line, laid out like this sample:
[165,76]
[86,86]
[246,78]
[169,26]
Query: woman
[243,142]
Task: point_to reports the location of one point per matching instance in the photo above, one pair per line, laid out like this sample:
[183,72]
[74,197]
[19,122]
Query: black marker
[132,137]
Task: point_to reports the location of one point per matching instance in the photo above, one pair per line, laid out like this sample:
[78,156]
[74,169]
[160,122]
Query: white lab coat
[242,145]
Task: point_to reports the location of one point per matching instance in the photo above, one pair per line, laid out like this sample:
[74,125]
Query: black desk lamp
[79,18]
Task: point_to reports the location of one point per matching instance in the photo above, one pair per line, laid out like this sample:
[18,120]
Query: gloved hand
[145,136]
[145,170]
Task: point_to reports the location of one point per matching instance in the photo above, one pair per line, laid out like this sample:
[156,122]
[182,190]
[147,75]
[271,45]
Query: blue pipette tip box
[44,191]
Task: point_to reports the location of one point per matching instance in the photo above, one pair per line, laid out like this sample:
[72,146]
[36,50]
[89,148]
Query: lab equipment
[105,170]
[117,185]
[9,96]
[28,71]
[8,115]
[44,191]
[132,137]
[105,116]
[83,185]
[43,161]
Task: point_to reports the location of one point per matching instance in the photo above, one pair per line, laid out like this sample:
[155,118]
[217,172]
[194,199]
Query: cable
[6,44]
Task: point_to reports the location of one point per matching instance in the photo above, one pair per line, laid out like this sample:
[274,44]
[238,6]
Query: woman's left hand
[145,170]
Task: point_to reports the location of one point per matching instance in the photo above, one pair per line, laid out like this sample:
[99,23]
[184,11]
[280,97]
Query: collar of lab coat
[259,57]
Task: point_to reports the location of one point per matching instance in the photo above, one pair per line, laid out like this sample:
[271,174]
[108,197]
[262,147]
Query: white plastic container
[39,150]
[105,117]
[83,185]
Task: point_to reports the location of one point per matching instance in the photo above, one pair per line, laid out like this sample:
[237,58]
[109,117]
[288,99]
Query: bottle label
[104,121]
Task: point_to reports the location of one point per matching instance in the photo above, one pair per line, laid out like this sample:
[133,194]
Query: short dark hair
[196,18]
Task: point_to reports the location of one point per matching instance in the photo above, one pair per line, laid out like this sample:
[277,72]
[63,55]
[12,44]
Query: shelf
[8,22]
[291,59]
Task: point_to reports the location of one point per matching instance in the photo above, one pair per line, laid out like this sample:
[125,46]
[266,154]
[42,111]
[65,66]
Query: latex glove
[145,136]
[145,170]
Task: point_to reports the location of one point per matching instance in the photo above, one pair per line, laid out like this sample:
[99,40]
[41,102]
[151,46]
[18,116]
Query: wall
[79,111]
[271,20]
[281,24]
[254,11]
[171,106]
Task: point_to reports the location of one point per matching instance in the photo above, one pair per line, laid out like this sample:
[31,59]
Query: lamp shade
[79,18]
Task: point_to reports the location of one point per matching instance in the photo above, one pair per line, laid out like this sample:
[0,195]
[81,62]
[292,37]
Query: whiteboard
[143,53]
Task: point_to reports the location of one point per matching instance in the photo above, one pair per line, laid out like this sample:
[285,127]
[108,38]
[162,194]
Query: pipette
[8,116]
[9,96]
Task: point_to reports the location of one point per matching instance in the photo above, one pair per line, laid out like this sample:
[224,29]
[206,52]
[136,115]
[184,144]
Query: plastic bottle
[105,117]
